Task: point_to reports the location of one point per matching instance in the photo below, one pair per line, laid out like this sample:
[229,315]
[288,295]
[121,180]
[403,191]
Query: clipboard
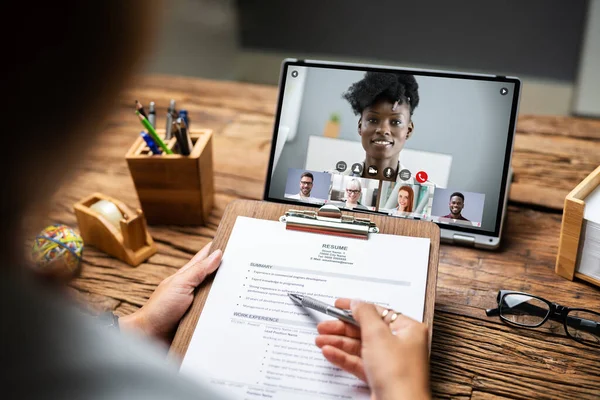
[328,220]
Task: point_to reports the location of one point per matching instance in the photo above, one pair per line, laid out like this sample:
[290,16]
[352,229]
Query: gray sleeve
[56,352]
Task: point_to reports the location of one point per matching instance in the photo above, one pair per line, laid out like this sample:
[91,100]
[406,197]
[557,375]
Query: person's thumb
[200,269]
[201,255]
[372,327]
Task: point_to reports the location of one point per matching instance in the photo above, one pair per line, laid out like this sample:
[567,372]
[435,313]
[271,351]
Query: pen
[170,115]
[152,114]
[317,305]
[183,138]
[153,133]
[183,114]
[148,139]
[140,108]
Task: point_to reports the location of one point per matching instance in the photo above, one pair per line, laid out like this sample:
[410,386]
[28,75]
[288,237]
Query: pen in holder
[184,142]
[174,189]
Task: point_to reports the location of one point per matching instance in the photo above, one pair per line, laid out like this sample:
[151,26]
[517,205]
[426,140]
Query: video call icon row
[404,174]
[357,169]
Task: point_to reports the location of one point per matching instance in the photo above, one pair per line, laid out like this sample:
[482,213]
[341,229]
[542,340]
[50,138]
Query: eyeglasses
[306,183]
[355,191]
[528,311]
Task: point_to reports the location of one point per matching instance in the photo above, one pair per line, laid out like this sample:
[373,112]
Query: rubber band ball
[57,250]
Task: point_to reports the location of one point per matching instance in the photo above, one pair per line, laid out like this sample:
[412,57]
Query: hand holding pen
[389,351]
[317,305]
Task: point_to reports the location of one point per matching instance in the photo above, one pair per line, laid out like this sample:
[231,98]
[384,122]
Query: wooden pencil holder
[174,189]
[129,242]
[570,229]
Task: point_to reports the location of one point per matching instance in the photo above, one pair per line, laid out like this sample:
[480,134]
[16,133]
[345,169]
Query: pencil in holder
[174,189]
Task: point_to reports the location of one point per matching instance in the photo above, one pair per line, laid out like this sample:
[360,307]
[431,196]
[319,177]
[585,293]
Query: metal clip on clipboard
[329,220]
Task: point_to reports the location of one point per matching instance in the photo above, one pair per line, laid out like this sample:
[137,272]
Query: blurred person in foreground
[53,350]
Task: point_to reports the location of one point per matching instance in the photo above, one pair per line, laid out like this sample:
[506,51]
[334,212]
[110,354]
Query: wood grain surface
[473,356]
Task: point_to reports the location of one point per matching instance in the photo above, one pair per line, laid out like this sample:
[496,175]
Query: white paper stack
[589,250]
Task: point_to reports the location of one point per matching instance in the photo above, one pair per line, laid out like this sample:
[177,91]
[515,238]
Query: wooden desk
[473,356]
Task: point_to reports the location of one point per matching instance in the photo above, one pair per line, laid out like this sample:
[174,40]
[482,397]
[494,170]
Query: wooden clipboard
[273,211]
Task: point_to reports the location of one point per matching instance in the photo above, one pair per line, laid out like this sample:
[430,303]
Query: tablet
[416,144]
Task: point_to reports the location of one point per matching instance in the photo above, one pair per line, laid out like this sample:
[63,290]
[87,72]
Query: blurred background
[552,45]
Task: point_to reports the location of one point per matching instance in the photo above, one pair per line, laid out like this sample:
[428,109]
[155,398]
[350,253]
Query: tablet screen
[410,144]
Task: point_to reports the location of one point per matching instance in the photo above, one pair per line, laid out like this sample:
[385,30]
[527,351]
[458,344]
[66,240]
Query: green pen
[153,133]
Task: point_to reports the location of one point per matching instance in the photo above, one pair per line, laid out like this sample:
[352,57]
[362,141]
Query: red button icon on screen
[421,176]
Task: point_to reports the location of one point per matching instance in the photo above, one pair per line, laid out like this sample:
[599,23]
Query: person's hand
[160,316]
[392,358]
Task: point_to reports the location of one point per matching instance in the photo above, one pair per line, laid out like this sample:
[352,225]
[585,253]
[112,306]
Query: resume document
[253,342]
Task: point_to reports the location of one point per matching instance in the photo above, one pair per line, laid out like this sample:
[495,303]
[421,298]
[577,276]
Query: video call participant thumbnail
[384,103]
[459,207]
[353,193]
[406,199]
[310,189]
[456,205]
[410,200]
[306,185]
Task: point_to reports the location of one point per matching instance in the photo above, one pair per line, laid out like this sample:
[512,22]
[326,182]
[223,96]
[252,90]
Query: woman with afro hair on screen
[384,103]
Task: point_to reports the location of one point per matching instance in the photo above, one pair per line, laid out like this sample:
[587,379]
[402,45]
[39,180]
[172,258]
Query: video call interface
[405,145]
